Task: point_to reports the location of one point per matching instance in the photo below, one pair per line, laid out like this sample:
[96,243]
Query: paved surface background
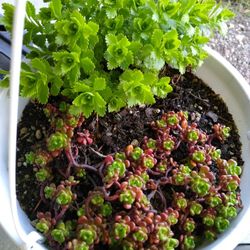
[235,47]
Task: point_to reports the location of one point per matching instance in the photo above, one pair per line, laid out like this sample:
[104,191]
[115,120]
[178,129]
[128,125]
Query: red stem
[71,160]
[62,212]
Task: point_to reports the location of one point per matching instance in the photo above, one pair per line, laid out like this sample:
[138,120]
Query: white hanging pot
[225,80]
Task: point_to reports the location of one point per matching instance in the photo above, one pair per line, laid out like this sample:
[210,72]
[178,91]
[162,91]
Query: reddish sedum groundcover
[144,198]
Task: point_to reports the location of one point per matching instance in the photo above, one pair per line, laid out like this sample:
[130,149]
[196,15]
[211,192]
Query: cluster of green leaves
[108,54]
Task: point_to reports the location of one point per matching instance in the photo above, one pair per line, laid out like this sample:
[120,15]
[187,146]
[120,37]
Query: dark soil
[116,130]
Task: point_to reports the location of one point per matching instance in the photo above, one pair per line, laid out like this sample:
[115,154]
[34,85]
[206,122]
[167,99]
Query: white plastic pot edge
[27,240]
[240,226]
[240,231]
[231,69]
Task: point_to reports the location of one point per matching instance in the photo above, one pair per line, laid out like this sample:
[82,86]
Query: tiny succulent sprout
[172,218]
[80,172]
[232,185]
[233,168]
[188,242]
[148,161]
[162,166]
[210,235]
[221,131]
[208,220]
[171,244]
[231,199]
[136,153]
[128,245]
[199,156]
[172,119]
[185,169]
[136,181]
[43,174]
[117,168]
[42,158]
[120,156]
[214,201]
[144,202]
[225,131]
[43,225]
[215,154]
[72,121]
[151,143]
[193,135]
[189,225]
[178,178]
[229,182]
[97,200]
[195,208]
[59,123]
[58,235]
[63,106]
[65,227]
[106,209]
[228,212]
[168,144]
[57,141]
[80,212]
[30,158]
[164,233]
[49,191]
[87,235]
[145,176]
[78,245]
[64,196]
[84,138]
[127,197]
[47,112]
[200,186]
[161,124]
[181,203]
[221,224]
[121,230]
[140,235]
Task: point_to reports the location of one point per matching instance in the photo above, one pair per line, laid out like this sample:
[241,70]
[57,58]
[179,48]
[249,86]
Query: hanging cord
[28,241]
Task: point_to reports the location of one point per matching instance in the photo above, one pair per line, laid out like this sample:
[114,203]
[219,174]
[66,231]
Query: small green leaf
[156,38]
[110,38]
[4,72]
[111,13]
[80,87]
[85,101]
[42,91]
[56,84]
[41,65]
[100,104]
[4,83]
[7,18]
[153,62]
[162,88]
[115,104]
[87,65]
[56,7]
[99,83]
[30,10]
